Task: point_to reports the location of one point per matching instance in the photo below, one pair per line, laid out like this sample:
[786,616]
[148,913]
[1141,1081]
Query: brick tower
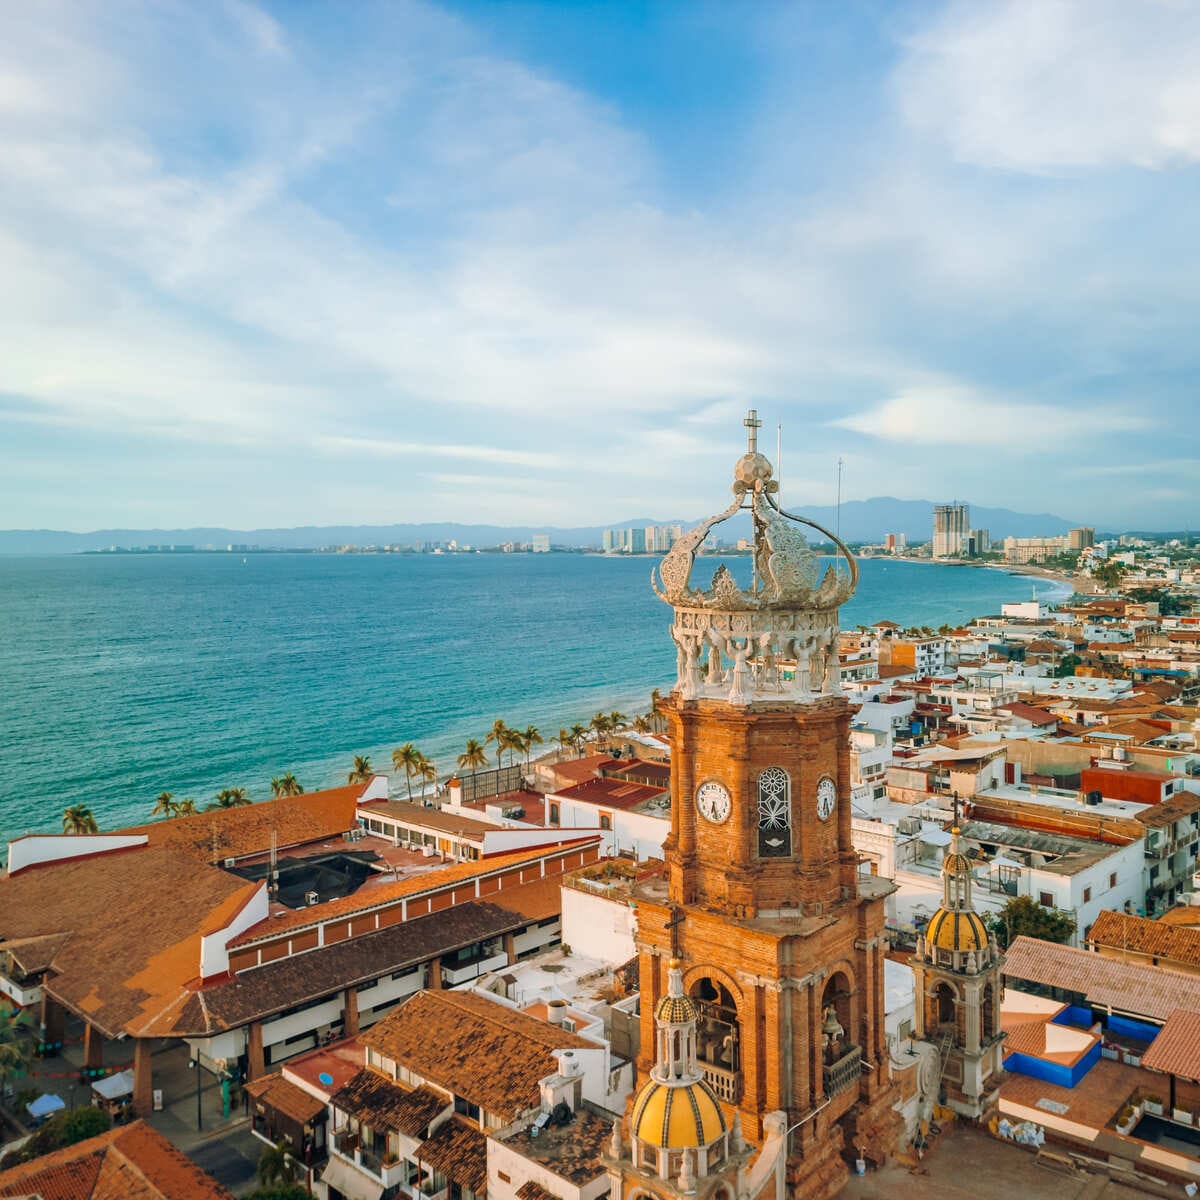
[780,937]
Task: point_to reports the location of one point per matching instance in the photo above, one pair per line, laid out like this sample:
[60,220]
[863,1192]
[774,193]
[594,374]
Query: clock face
[826,798]
[713,802]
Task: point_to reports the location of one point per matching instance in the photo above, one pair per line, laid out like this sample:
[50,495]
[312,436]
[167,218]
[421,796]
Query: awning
[349,1181]
[113,1087]
[44,1105]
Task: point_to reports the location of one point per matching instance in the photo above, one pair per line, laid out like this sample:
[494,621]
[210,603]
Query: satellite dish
[326,1078]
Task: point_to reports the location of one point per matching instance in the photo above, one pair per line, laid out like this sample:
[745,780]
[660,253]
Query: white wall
[55,847]
[643,833]
[283,1028]
[501,1159]
[214,957]
[603,927]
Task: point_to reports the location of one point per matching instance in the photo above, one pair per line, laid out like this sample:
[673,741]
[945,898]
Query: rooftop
[612,793]
[1176,1050]
[382,1104]
[438,820]
[572,1152]
[1071,854]
[459,1151]
[285,1097]
[1124,931]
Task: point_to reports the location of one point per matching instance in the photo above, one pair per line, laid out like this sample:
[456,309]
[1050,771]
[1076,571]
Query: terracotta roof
[34,954]
[311,817]
[1027,712]
[459,1151]
[1134,988]
[475,1047]
[1030,1037]
[1181,914]
[530,1190]
[1176,1050]
[1119,930]
[118,979]
[611,793]
[578,769]
[131,1162]
[260,991]
[1181,804]
[378,1102]
[285,1097]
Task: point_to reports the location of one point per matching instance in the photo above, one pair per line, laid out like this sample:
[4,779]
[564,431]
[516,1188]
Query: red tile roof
[131,1162]
[1176,1050]
[1123,931]
[611,793]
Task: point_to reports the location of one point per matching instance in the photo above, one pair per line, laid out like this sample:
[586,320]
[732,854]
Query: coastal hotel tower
[762,949]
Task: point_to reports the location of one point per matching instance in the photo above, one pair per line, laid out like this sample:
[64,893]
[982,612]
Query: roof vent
[311,898]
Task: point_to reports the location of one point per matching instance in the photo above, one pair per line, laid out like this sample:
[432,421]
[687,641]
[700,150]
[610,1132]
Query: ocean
[123,676]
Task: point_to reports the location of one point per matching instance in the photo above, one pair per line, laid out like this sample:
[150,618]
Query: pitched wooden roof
[1123,931]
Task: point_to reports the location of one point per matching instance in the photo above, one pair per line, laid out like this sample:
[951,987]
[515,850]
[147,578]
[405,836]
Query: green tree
[408,758]
[1066,666]
[500,734]
[63,1129]
[234,797]
[514,743]
[78,819]
[16,1049]
[428,771]
[165,806]
[578,736]
[1109,573]
[1024,916]
[565,741]
[530,737]
[473,756]
[600,726]
[281,1191]
[641,723]
[275,1165]
[361,772]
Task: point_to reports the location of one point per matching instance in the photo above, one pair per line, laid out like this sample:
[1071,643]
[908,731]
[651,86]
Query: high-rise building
[778,939]
[609,540]
[979,541]
[951,529]
[635,541]
[1082,538]
[541,543]
[889,543]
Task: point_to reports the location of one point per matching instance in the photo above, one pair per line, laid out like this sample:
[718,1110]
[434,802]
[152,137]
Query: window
[1087,895]
[1112,880]
[1046,899]
[605,821]
[774,813]
[554,818]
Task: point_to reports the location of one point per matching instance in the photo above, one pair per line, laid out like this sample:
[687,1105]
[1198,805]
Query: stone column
[971,992]
[814,1033]
[435,974]
[510,947]
[143,1077]
[920,1000]
[752,1043]
[350,1012]
[256,1063]
[93,1046]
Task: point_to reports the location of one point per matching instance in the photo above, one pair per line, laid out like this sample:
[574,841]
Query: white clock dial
[826,798]
[713,802]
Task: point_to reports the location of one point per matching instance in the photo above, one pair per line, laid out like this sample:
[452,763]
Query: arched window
[774,813]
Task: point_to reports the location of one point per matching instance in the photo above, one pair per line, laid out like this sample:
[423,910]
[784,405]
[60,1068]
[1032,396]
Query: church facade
[776,937]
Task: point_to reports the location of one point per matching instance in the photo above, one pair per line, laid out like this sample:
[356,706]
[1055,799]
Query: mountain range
[858,521]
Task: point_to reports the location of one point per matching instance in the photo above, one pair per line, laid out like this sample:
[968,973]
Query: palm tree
[599,725]
[578,736]
[499,734]
[165,805]
[616,720]
[565,740]
[474,756]
[641,723]
[234,797]
[186,807]
[408,759]
[286,785]
[15,1051]
[514,743]
[361,771]
[428,770]
[275,1165]
[530,738]
[78,819]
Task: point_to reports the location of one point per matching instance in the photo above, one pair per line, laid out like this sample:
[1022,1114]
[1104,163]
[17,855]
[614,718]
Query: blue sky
[293,263]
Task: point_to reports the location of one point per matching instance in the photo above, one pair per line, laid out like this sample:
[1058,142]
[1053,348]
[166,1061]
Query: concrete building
[951,530]
[541,543]
[979,541]
[1083,538]
[1034,549]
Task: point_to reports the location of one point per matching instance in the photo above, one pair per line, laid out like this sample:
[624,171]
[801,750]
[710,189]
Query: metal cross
[753,424]
[677,919]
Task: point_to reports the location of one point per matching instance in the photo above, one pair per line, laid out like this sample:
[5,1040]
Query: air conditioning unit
[229,862]
[312,897]
[428,851]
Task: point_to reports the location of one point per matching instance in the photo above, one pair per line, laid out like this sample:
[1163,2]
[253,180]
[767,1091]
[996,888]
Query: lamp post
[194,1065]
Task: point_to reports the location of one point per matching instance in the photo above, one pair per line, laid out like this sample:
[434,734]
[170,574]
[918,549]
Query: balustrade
[844,1072]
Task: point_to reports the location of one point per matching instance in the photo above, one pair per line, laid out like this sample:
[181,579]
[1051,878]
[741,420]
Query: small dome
[675,1009]
[956,864]
[752,468]
[677,1118]
[954,929]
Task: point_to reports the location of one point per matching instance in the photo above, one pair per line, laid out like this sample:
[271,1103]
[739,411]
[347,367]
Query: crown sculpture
[777,639]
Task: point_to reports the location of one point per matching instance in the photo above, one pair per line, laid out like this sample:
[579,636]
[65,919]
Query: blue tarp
[44,1105]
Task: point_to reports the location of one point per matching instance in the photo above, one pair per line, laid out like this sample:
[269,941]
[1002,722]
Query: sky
[273,264]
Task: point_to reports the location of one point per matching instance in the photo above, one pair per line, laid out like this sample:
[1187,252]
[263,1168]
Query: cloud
[954,416]
[1043,85]
[385,448]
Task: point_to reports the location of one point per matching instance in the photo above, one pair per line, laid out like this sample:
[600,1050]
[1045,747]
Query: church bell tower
[779,935]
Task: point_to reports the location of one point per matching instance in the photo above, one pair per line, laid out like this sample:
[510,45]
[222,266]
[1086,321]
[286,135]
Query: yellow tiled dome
[956,929]
[675,1009]
[956,864]
[677,1118]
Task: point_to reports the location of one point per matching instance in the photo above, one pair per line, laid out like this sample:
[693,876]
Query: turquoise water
[124,676]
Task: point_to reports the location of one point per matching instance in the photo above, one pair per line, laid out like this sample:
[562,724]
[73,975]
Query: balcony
[726,1084]
[346,1143]
[844,1073]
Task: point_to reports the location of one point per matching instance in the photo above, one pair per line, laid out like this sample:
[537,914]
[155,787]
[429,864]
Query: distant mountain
[860,521]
